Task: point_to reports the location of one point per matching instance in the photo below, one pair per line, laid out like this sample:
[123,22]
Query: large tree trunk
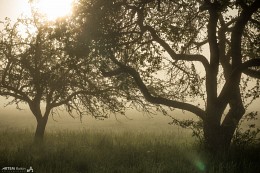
[233,117]
[40,129]
[41,121]
[218,136]
[214,141]
[214,137]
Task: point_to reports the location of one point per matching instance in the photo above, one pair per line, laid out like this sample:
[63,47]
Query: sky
[13,9]
[52,8]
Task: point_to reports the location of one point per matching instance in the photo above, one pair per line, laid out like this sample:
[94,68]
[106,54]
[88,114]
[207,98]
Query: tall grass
[111,152]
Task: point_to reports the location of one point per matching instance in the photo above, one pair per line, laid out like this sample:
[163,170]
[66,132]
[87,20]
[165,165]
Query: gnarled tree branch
[147,95]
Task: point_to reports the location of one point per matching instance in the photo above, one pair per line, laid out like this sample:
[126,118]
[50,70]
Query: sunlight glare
[54,9]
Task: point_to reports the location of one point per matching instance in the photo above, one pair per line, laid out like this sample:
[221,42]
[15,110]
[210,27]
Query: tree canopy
[154,48]
[36,68]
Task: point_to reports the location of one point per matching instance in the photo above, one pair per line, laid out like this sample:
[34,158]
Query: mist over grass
[136,143]
[10,117]
[124,152]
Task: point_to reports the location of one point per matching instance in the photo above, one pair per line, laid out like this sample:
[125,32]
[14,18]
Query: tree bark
[218,136]
[234,115]
[40,129]
[212,133]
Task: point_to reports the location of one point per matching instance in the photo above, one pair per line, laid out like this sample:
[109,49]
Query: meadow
[137,144]
[107,151]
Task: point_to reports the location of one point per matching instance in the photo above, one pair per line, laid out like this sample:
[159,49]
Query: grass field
[118,152]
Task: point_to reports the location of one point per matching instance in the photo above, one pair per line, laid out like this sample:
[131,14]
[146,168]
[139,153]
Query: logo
[16,169]
[30,169]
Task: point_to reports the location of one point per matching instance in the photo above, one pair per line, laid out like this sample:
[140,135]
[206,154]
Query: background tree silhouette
[156,50]
[36,69]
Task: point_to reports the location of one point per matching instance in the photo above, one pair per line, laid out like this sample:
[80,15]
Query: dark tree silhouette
[155,48]
[36,69]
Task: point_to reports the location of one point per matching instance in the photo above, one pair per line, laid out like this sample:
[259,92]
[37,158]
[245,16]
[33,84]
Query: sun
[53,9]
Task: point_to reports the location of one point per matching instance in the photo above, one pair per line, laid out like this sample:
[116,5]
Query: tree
[37,69]
[155,48]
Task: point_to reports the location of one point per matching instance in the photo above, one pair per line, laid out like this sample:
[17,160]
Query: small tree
[36,69]
[157,47]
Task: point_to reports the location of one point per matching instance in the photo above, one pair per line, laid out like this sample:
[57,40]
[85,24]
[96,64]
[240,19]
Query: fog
[12,118]
[134,121]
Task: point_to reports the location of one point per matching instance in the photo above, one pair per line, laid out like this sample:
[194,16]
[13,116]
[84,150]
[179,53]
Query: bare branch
[83,92]
[252,73]
[250,63]
[172,53]
[147,95]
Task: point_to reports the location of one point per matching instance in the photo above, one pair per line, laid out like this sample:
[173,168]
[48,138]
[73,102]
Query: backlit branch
[173,54]
[147,95]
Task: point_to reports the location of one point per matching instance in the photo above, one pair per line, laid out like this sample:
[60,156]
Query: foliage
[155,49]
[250,136]
[246,134]
[195,126]
[37,69]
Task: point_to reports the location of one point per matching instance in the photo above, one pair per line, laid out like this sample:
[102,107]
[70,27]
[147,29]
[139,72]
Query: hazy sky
[13,8]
